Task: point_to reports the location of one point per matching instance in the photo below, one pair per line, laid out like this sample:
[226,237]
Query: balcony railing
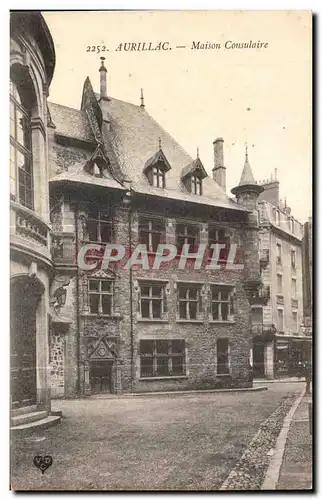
[279,299]
[257,293]
[262,329]
[28,225]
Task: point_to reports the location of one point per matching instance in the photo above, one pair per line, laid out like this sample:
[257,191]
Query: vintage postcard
[161,250]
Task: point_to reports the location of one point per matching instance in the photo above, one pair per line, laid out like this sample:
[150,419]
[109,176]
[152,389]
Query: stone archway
[25,294]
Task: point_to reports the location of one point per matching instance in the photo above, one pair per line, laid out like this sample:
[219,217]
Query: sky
[259,96]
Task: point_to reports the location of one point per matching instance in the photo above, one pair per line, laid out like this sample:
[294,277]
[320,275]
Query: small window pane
[156,291]
[182,293]
[224,311]
[156,238]
[177,365]
[162,346]
[92,230]
[162,366]
[106,286]
[146,367]
[215,310]
[177,346]
[106,232]
[183,310]
[224,295]
[215,294]
[146,347]
[145,291]
[145,310]
[193,310]
[156,309]
[106,304]
[94,303]
[193,293]
[94,285]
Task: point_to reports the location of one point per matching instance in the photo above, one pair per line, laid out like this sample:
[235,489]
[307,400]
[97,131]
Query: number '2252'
[96,48]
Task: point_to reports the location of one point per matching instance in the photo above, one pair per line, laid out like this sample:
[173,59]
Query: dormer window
[196,185]
[156,168]
[158,177]
[192,176]
[99,164]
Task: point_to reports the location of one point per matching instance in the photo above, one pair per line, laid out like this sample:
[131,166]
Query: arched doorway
[25,293]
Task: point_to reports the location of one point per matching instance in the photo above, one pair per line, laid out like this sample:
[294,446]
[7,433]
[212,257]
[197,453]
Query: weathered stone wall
[57,365]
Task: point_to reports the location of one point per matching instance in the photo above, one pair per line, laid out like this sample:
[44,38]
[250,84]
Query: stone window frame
[102,218]
[293,288]
[277,216]
[230,289]
[150,231]
[168,356]
[186,235]
[278,320]
[279,253]
[150,284]
[220,236]
[198,300]
[279,283]
[295,313]
[106,293]
[293,258]
[23,148]
[226,353]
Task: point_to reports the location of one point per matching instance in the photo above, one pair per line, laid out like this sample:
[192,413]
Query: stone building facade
[117,177]
[32,61]
[279,343]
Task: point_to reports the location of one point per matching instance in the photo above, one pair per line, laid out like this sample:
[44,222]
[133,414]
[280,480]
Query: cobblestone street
[190,442]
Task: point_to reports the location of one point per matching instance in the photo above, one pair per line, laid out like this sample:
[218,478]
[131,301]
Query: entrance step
[23,410]
[44,423]
[27,418]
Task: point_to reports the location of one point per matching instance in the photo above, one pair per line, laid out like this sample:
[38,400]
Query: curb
[176,393]
[273,471]
[204,391]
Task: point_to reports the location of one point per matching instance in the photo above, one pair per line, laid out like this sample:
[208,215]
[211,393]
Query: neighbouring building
[32,62]
[307,278]
[279,343]
[117,177]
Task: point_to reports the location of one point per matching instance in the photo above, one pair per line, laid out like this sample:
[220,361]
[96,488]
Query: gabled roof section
[71,123]
[157,159]
[101,160]
[133,134]
[194,168]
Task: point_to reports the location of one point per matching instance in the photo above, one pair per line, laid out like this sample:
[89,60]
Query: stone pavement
[296,470]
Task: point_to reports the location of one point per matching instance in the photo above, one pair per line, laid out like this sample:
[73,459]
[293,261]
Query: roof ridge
[97,95]
[64,106]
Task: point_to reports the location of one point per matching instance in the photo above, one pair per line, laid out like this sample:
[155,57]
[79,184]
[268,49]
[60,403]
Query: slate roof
[247,174]
[134,136]
[71,122]
[131,140]
[77,174]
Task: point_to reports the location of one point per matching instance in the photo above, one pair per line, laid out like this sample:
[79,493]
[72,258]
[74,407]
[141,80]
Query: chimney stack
[103,73]
[219,170]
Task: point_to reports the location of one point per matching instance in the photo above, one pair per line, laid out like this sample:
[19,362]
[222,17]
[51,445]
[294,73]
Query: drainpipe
[78,386]
[131,296]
